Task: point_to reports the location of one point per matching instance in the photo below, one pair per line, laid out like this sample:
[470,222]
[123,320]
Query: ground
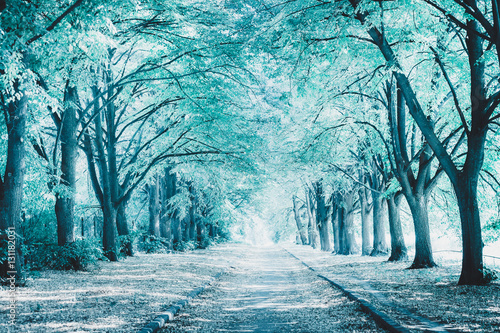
[269,291]
[429,293]
[262,289]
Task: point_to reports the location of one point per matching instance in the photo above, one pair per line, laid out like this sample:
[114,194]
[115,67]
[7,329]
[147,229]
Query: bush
[184,246]
[490,275]
[126,243]
[153,244]
[79,255]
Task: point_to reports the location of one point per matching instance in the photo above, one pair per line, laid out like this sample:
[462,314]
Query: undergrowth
[79,255]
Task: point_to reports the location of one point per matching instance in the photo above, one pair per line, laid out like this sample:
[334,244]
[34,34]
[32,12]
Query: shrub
[153,244]
[490,275]
[124,241]
[184,246]
[79,255]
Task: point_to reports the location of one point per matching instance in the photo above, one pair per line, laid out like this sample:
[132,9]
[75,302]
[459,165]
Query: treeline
[171,229]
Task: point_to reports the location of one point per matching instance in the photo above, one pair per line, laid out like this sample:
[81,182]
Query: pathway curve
[266,290]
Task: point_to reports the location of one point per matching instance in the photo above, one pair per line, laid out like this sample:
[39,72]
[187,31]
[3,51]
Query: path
[267,290]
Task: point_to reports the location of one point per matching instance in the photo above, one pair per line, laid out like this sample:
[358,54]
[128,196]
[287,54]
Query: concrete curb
[159,322]
[383,320]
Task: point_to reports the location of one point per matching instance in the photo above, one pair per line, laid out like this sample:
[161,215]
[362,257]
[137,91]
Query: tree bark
[336,220]
[201,234]
[348,244]
[366,222]
[65,201]
[312,229]
[300,228]
[423,250]
[398,247]
[168,190]
[11,191]
[108,207]
[472,255]
[322,218]
[122,227]
[154,208]
[176,230]
[379,240]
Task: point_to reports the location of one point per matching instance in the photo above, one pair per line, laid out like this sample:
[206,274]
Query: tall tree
[464,179]
[300,228]
[322,216]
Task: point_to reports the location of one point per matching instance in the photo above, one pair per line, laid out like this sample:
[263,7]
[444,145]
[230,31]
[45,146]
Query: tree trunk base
[128,249]
[366,252]
[378,253]
[422,264]
[111,256]
[346,253]
[471,279]
[398,255]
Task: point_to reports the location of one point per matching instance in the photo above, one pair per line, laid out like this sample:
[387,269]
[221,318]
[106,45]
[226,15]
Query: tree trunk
[466,184]
[472,254]
[65,201]
[169,189]
[185,229]
[176,230]
[322,219]
[348,244]
[109,229]
[423,250]
[379,241]
[366,223]
[300,228]
[108,180]
[211,231]
[154,208]
[201,234]
[165,221]
[398,247]
[122,227]
[191,225]
[11,191]
[312,229]
[336,218]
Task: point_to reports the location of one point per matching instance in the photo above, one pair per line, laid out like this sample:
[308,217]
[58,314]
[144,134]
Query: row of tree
[414,87]
[127,85]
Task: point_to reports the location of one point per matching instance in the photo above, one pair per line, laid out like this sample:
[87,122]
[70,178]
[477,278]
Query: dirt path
[266,290]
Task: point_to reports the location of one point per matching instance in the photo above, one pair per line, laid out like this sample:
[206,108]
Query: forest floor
[113,297]
[405,294]
[262,289]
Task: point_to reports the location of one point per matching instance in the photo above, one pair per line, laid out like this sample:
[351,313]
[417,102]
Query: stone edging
[159,322]
[380,318]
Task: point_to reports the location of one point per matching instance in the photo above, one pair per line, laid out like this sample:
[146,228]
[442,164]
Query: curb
[383,320]
[159,322]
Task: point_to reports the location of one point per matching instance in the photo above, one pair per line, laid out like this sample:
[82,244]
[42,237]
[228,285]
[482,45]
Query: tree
[365,208]
[300,228]
[482,107]
[322,216]
[15,103]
